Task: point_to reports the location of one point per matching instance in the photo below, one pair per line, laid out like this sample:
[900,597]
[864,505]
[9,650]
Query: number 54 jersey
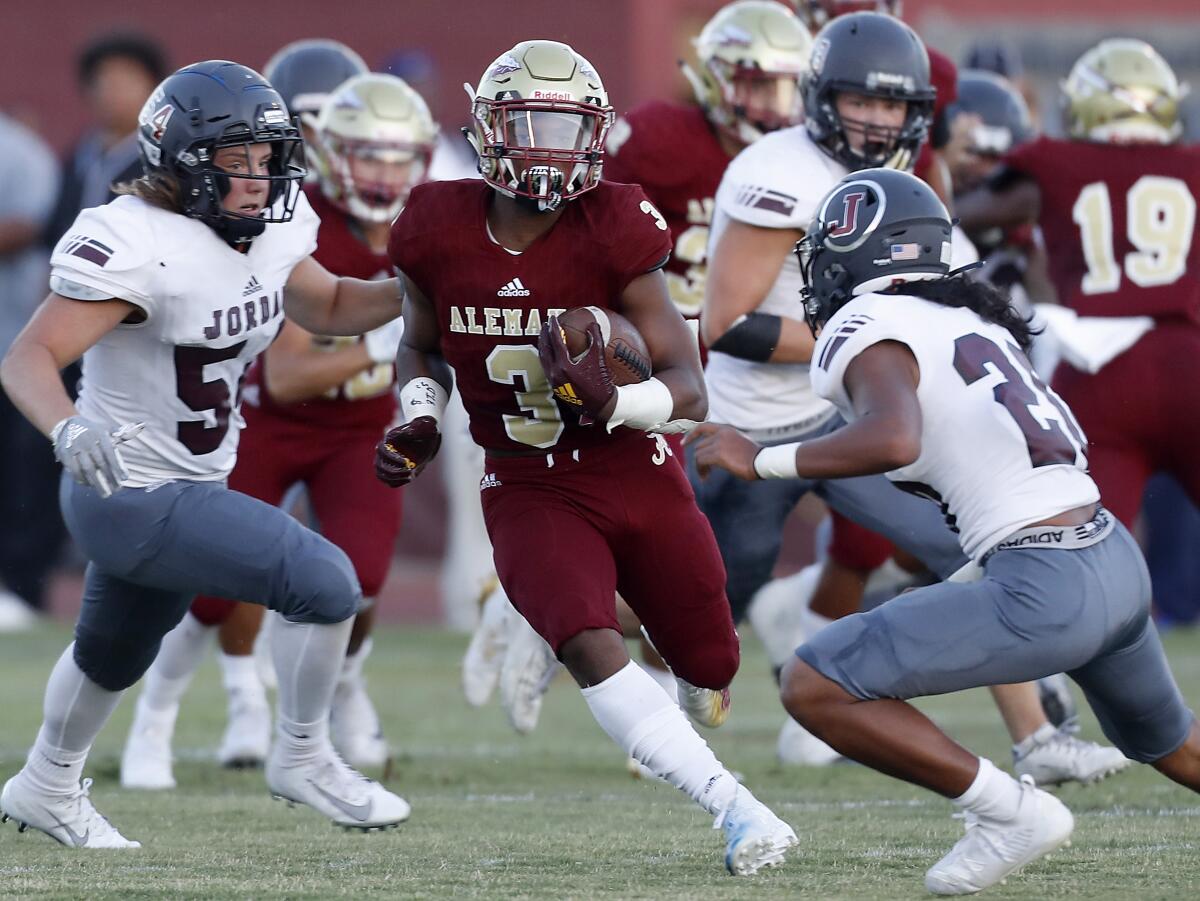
[205,311]
[490,302]
[999,449]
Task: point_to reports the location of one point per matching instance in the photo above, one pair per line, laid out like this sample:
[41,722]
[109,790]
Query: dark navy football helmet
[306,72]
[876,55]
[876,228]
[208,106]
[1005,119]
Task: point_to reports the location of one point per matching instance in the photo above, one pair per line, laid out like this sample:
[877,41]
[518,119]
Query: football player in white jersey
[868,102]
[168,293]
[930,372]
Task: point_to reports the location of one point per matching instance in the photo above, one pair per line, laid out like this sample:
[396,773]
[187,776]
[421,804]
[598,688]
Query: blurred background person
[28,473]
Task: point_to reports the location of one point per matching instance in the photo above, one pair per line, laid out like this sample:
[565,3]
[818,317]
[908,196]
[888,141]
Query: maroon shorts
[857,547]
[1141,415]
[570,530]
[353,509]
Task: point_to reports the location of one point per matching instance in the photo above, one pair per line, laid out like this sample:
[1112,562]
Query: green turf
[554,815]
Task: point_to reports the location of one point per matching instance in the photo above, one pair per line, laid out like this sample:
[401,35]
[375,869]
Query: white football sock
[183,648]
[75,709]
[993,794]
[664,677]
[353,665]
[239,675]
[640,717]
[308,659]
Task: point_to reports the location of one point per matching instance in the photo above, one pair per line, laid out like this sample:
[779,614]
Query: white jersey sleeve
[777,181]
[999,449]
[112,251]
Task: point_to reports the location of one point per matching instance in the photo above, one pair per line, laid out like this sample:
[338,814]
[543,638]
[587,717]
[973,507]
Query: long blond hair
[157,190]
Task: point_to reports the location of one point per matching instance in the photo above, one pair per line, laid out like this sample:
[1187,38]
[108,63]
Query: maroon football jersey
[491,304]
[671,151]
[367,400]
[1119,222]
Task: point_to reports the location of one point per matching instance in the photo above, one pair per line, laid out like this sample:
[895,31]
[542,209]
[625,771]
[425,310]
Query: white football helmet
[539,118]
[375,136]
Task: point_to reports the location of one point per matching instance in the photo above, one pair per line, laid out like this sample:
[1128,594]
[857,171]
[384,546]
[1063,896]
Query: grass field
[554,815]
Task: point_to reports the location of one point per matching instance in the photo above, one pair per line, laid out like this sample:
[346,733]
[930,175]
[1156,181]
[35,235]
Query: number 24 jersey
[206,312]
[490,303]
[999,449]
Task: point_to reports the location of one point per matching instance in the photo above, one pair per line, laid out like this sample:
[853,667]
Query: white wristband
[423,397]
[778,462]
[646,405]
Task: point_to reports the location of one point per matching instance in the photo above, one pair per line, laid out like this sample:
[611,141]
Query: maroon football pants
[354,510]
[1141,415]
[570,530]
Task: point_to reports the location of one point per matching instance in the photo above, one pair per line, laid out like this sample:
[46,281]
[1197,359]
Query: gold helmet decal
[375,136]
[1123,91]
[752,55]
[539,118]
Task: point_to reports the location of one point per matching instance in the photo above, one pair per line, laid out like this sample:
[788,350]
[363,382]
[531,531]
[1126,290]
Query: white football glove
[88,451]
[383,342]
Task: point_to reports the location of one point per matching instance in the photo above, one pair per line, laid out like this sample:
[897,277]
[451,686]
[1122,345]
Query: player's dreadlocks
[976,295]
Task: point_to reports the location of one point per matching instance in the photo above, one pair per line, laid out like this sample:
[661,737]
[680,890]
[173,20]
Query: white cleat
[247,738]
[357,734]
[756,837]
[485,654]
[70,819]
[529,668]
[994,849]
[146,759]
[796,746]
[15,614]
[706,706]
[1056,757]
[331,787]
[776,613]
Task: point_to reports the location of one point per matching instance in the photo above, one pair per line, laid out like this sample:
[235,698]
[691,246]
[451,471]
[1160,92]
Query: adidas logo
[252,287]
[513,289]
[489,481]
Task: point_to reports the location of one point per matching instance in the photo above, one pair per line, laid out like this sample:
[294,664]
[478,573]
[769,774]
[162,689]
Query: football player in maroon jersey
[1116,201]
[576,492]
[315,408]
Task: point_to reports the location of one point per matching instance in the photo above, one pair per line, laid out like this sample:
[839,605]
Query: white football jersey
[209,311]
[776,182]
[999,449]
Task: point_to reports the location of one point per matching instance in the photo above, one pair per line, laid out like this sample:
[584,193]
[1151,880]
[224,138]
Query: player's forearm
[688,393]
[293,378]
[765,338]
[354,307]
[414,363]
[868,446]
[31,380]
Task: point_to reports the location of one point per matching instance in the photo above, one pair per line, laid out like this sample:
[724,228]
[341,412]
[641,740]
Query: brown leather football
[625,351]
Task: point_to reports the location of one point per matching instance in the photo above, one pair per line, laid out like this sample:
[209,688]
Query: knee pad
[115,661]
[322,587]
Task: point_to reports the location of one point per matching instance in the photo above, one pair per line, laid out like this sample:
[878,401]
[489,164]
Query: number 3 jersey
[999,449]
[206,311]
[490,303]
[1119,223]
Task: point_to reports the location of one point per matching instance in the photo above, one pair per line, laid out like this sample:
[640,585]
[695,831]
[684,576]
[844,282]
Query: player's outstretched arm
[57,335]
[675,356]
[885,435]
[742,269]
[319,301]
[1007,200]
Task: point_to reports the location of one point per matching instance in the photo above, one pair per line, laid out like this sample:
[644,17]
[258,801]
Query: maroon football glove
[585,384]
[404,451]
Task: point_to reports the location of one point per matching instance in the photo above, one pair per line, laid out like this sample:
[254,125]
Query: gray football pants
[1085,612]
[747,519]
[150,551]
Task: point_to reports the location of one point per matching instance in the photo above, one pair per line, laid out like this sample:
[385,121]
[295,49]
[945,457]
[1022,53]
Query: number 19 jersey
[490,303]
[205,312]
[999,449]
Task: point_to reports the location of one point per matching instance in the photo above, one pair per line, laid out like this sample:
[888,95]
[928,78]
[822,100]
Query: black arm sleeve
[752,337]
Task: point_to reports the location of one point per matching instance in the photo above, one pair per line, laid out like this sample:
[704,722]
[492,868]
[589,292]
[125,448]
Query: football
[625,351]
